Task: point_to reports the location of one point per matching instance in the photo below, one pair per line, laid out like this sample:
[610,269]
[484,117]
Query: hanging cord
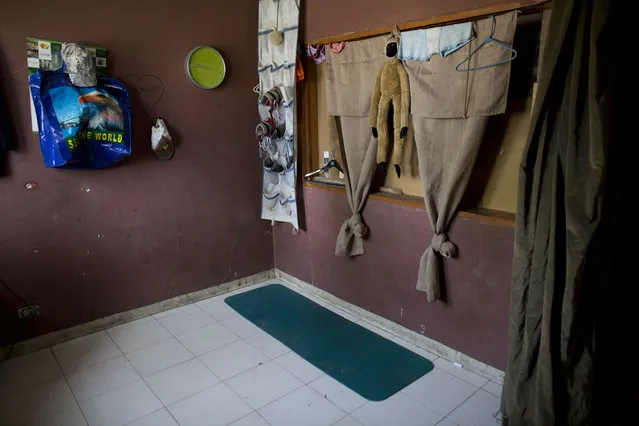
[24,303]
[16,295]
[277,36]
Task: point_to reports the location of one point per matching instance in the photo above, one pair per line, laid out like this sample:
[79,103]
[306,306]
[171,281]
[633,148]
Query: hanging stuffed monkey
[391,85]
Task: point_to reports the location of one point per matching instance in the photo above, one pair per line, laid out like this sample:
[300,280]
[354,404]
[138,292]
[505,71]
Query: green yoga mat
[365,362]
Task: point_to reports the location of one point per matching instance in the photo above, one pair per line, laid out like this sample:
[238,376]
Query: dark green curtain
[6,134]
[561,252]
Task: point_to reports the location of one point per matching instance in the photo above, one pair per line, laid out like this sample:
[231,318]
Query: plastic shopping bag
[81,127]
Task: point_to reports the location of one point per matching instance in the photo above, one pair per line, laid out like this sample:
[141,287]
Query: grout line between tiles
[69,386]
[152,344]
[341,418]
[432,409]
[215,321]
[134,350]
[188,396]
[112,389]
[277,399]
[462,403]
[442,419]
[152,412]
[261,416]
[338,407]
[233,390]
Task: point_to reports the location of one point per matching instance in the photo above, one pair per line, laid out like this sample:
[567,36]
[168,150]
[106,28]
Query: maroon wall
[474,318]
[147,230]
[333,17]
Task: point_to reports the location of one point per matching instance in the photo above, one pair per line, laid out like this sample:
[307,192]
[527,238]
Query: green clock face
[205,67]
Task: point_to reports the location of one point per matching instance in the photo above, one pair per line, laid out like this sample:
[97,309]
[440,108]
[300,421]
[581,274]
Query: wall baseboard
[376,321]
[397,330]
[60,336]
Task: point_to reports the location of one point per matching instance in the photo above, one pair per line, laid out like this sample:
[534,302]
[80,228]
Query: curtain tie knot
[442,246]
[356,225]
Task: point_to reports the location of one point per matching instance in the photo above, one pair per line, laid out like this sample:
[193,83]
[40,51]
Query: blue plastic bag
[81,127]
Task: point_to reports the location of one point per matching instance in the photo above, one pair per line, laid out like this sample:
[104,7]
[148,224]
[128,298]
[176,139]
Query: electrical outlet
[28,312]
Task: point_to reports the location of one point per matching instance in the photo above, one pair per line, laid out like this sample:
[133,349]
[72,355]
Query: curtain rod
[453,18]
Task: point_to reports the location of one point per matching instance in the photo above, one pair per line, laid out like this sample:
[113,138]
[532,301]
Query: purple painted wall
[474,320]
[87,244]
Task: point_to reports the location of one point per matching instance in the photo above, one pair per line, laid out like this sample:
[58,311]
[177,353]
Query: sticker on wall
[44,50]
[205,67]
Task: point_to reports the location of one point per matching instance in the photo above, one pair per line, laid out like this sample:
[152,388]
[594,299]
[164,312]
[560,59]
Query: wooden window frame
[307,95]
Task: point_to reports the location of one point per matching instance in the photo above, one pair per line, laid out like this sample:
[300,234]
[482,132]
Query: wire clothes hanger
[487,40]
[327,166]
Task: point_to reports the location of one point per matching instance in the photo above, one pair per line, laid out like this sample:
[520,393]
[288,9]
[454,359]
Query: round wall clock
[205,67]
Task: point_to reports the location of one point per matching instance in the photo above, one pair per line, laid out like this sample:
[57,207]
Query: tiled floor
[203,364]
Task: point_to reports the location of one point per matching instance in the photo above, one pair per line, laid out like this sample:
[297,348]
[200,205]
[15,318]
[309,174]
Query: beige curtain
[359,166]
[349,81]
[449,112]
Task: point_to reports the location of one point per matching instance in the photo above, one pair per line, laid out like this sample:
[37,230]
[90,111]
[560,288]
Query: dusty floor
[203,364]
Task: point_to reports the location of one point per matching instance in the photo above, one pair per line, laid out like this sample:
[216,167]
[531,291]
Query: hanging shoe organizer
[277,48]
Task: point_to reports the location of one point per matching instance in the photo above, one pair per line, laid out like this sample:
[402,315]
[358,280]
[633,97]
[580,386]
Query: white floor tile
[156,418]
[138,334]
[216,406]
[399,409]
[253,419]
[121,405]
[263,384]
[218,309]
[460,372]
[233,359]
[240,326]
[36,402]
[299,367]
[348,421]
[493,388]
[207,338]
[101,378]
[182,380]
[267,344]
[481,409]
[71,416]
[446,422]
[184,319]
[303,406]
[440,391]
[338,394]
[159,356]
[85,351]
[28,370]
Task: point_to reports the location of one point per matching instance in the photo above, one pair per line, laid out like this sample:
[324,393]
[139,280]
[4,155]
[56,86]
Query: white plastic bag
[161,141]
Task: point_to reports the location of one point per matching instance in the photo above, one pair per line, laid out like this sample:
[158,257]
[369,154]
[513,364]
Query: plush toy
[391,85]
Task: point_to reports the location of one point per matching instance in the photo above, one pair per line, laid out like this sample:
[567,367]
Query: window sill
[480,214]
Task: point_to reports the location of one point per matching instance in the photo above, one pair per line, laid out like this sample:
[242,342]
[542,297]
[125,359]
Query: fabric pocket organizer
[280,75]
[270,9]
[275,55]
[278,188]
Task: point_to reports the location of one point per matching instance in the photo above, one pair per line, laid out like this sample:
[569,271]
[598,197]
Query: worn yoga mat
[365,362]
